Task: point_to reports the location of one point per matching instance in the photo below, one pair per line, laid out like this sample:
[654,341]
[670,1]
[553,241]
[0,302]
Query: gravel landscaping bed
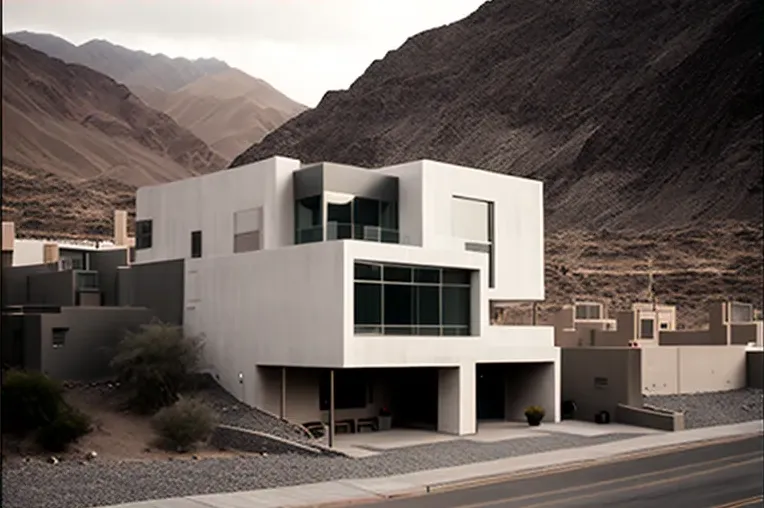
[236,414]
[717,408]
[98,483]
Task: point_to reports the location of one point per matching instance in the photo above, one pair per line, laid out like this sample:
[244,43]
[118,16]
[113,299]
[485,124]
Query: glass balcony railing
[309,235]
[416,330]
[347,231]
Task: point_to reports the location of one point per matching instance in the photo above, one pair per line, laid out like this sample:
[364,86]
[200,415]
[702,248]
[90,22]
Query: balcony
[349,231]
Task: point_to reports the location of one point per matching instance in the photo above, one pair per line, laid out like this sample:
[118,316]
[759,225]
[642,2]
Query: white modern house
[327,292]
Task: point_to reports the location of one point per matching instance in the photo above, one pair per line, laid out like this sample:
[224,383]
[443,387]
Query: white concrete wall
[427,189]
[518,228]
[410,201]
[208,203]
[272,307]
[289,305]
[670,370]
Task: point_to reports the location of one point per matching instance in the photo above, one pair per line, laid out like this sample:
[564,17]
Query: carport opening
[409,395]
[413,396]
[504,390]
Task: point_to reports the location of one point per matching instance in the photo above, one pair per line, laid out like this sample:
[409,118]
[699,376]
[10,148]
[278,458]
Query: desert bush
[32,402]
[29,400]
[185,423]
[155,363]
[68,426]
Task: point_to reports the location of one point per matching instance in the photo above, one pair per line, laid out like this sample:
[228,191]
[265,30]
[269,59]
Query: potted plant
[385,418]
[534,415]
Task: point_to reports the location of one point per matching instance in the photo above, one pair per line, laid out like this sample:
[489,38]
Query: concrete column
[331,408]
[120,227]
[456,400]
[283,393]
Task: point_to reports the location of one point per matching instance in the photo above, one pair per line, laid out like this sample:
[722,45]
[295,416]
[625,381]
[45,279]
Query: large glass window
[307,220]
[411,300]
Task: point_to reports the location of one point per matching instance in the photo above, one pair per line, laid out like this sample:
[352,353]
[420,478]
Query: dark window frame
[642,328]
[58,337]
[196,244]
[489,247]
[393,317]
[144,234]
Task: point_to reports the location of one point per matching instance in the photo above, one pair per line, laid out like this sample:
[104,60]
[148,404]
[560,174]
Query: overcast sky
[302,47]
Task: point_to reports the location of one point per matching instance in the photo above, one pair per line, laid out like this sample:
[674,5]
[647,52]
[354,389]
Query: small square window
[59,337]
[646,329]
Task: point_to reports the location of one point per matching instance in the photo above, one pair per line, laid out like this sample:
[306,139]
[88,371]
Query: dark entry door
[491,387]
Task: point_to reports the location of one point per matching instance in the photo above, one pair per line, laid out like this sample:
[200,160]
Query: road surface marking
[756,458]
[740,503]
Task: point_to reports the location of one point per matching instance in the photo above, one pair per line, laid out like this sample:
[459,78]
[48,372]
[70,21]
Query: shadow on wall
[600,378]
[755,369]
[76,343]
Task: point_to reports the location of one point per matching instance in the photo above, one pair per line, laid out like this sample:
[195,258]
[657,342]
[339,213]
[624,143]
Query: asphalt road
[728,475]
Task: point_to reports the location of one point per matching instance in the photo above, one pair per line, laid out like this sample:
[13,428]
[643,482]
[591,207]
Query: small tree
[155,363]
[185,423]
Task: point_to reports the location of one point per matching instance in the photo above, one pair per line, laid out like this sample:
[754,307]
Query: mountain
[636,114]
[124,65]
[225,107]
[68,123]
[229,110]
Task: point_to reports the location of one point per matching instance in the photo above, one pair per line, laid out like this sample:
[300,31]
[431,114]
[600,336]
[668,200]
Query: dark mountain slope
[635,113]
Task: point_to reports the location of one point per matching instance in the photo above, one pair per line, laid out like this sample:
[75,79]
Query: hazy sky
[302,47]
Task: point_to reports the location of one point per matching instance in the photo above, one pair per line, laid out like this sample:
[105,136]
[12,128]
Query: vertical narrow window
[247,230]
[143,234]
[491,246]
[196,244]
[472,220]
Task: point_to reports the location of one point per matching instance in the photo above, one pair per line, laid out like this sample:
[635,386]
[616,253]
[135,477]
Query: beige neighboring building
[69,254]
[646,324]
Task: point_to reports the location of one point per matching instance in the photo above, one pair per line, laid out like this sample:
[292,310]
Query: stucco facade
[264,301]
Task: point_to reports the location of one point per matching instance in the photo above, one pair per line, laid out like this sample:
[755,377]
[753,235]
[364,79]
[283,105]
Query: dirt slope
[225,107]
[636,114]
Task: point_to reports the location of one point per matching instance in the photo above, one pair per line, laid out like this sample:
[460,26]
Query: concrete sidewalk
[375,489]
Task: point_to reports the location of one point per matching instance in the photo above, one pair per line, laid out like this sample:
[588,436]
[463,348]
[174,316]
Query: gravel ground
[232,412]
[75,485]
[710,409]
